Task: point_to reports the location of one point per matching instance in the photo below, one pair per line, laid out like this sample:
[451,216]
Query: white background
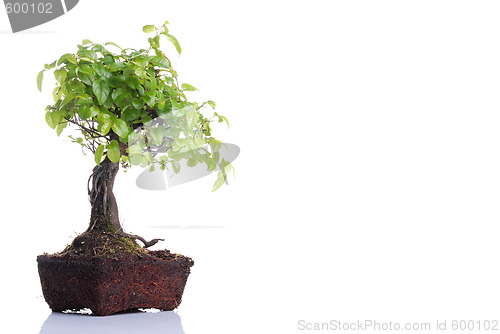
[368,184]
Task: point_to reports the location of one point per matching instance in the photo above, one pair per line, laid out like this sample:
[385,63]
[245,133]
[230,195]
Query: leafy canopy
[129,107]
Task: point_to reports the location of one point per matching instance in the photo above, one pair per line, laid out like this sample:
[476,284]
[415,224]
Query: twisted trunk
[104,212]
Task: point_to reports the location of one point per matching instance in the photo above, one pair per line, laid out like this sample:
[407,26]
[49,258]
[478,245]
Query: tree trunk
[104,213]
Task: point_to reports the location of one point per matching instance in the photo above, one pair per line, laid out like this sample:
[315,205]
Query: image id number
[24,8]
[474,325]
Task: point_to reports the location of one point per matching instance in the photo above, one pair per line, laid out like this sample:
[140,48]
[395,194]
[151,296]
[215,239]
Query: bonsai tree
[128,108]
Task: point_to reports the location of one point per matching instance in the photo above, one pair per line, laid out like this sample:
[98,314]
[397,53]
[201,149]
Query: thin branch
[92,131]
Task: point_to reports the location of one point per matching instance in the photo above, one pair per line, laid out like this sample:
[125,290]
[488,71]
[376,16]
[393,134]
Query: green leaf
[105,127]
[116,66]
[39,79]
[211,103]
[148,28]
[103,116]
[160,62]
[94,111]
[149,98]
[169,80]
[226,167]
[67,57]
[57,93]
[84,99]
[210,163]
[192,117]
[98,154]
[130,115]
[116,80]
[140,90]
[101,90]
[86,69]
[119,94]
[133,82]
[101,70]
[137,104]
[134,149]
[72,59]
[135,159]
[84,112]
[108,60]
[77,87]
[151,83]
[141,61]
[140,72]
[104,122]
[155,42]
[221,177]
[97,48]
[87,55]
[60,75]
[108,104]
[49,119]
[187,87]
[175,42]
[215,156]
[86,41]
[111,43]
[221,118]
[176,166]
[162,108]
[78,140]
[158,134]
[121,128]
[85,78]
[67,99]
[50,66]
[113,151]
[199,141]
[60,127]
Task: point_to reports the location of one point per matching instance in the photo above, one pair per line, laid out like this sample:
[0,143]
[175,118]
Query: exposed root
[147,244]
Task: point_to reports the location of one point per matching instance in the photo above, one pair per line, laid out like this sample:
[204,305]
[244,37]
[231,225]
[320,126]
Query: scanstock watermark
[157,179]
[165,138]
[388,326]
[25,14]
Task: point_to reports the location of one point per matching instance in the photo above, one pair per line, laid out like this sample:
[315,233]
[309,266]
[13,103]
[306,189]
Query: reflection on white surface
[141,322]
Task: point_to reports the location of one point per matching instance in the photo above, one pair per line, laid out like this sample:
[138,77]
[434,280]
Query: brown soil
[109,273]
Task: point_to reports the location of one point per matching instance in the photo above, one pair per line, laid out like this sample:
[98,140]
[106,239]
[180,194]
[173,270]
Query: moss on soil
[102,244]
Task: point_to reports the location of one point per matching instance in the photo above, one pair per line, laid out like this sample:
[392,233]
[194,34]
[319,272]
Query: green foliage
[113,151]
[98,154]
[129,107]
[148,29]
